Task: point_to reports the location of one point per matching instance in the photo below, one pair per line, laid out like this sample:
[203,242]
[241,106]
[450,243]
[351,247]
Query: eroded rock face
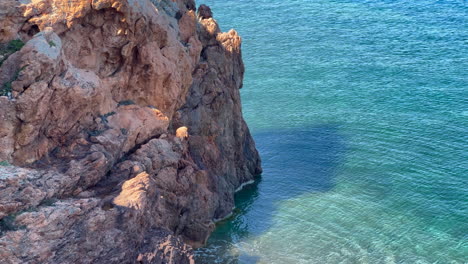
[124,118]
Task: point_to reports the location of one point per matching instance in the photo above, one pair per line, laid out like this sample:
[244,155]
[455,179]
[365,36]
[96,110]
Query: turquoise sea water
[360,112]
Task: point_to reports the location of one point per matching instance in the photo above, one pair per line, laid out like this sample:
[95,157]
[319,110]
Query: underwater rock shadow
[300,161]
[295,162]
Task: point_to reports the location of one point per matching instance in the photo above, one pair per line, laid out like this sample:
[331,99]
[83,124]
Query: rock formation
[123,122]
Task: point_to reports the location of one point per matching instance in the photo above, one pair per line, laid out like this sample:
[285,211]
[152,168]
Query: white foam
[216,220]
[243,185]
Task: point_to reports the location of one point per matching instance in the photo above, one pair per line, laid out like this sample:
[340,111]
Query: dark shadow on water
[295,162]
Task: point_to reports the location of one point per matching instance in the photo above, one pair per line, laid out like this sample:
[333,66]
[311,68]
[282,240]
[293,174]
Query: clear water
[360,112]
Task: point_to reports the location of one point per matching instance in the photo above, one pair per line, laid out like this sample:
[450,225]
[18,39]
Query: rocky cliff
[121,135]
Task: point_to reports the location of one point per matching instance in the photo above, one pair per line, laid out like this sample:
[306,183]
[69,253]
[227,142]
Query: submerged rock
[100,103]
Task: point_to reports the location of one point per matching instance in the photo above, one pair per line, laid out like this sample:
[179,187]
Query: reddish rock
[204,12]
[103,99]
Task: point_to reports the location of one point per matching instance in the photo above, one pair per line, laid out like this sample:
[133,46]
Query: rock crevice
[123,122]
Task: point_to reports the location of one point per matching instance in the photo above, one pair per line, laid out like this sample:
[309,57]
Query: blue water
[360,112]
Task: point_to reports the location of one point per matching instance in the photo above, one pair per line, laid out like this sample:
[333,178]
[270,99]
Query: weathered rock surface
[123,121]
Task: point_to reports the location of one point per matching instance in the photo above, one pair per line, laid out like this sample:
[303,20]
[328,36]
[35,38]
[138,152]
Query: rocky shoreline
[122,137]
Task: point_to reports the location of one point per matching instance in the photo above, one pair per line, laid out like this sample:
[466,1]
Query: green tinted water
[360,112]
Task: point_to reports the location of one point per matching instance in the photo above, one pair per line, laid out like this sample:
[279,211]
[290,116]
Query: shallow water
[360,112]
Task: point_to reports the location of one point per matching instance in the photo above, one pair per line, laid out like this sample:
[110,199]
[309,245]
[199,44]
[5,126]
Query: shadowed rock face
[123,120]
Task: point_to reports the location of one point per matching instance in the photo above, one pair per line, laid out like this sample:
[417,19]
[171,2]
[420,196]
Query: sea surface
[360,112]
